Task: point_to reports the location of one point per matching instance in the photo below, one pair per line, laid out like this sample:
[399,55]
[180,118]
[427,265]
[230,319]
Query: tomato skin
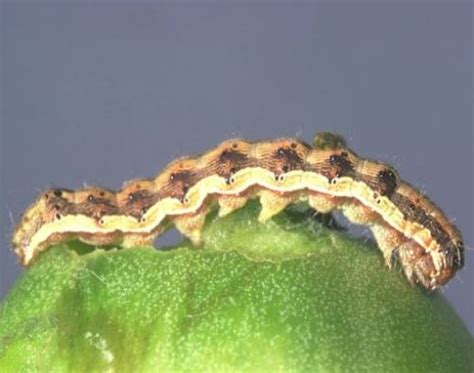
[289,295]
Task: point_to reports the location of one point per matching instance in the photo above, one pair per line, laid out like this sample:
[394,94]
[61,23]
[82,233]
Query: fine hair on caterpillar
[329,176]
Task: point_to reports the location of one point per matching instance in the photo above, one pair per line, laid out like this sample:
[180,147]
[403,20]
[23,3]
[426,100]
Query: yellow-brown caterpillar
[328,176]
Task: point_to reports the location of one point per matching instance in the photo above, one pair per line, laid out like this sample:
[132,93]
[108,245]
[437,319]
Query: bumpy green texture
[288,295]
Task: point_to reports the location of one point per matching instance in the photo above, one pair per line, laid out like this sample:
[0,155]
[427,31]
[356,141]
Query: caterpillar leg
[416,264]
[422,265]
[357,213]
[228,204]
[388,239]
[322,203]
[273,203]
[99,239]
[190,225]
[143,239]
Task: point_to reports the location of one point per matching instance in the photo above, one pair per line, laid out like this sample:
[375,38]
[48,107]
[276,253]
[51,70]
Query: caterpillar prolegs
[329,176]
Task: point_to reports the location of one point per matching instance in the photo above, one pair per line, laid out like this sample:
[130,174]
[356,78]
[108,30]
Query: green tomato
[288,295]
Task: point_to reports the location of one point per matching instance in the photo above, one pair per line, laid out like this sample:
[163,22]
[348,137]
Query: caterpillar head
[50,206]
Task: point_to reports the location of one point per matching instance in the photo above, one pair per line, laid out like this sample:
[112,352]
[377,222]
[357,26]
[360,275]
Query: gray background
[99,94]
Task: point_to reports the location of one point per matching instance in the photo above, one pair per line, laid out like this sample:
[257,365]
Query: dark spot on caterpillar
[459,258]
[293,145]
[230,180]
[230,161]
[290,158]
[138,195]
[93,206]
[102,194]
[454,251]
[58,216]
[177,187]
[139,200]
[235,145]
[232,156]
[57,204]
[388,180]
[144,210]
[343,166]
[285,169]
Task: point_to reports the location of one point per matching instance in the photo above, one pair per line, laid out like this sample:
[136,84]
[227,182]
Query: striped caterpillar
[329,176]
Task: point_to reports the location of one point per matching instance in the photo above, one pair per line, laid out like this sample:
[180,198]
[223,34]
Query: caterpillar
[406,224]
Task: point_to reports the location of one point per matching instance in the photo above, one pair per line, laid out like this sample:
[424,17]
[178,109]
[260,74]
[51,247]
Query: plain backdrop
[100,93]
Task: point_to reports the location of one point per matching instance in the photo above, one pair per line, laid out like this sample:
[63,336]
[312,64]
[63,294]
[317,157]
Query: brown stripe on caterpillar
[136,197]
[382,178]
[281,156]
[444,238]
[176,179]
[279,172]
[226,159]
[58,202]
[94,202]
[332,163]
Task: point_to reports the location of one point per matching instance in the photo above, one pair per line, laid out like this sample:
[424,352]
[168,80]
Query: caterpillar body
[329,176]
